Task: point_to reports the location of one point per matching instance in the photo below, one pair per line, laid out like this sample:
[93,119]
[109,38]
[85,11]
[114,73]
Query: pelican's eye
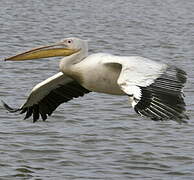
[69,41]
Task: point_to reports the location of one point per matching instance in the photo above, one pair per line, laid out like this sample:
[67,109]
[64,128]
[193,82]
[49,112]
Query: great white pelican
[154,89]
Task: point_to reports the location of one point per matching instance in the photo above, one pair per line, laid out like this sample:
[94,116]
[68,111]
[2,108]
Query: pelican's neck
[68,63]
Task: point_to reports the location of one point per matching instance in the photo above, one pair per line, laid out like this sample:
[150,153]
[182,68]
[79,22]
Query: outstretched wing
[154,89]
[46,96]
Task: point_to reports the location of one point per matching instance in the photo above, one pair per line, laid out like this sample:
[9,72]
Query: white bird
[154,89]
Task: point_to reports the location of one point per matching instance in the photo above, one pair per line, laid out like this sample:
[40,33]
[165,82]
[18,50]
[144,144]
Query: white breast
[98,77]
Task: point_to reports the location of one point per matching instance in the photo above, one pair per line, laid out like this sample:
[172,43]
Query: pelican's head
[74,43]
[65,47]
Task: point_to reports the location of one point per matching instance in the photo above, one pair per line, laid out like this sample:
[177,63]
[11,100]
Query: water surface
[97,136]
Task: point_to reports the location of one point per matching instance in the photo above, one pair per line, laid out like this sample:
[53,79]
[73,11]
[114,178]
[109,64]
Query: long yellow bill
[43,52]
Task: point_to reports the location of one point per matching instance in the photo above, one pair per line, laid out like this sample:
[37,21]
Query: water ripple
[97,136]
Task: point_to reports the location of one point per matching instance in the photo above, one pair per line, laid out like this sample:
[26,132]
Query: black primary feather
[163,99]
[50,102]
[10,109]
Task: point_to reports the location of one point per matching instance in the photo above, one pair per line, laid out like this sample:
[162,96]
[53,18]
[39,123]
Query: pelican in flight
[154,89]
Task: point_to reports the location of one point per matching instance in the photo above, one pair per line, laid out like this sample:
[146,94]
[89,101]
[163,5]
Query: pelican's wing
[46,96]
[154,89]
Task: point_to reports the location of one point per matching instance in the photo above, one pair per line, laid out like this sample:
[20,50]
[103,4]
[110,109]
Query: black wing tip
[181,118]
[163,99]
[35,113]
[28,111]
[180,73]
[10,109]
[162,109]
